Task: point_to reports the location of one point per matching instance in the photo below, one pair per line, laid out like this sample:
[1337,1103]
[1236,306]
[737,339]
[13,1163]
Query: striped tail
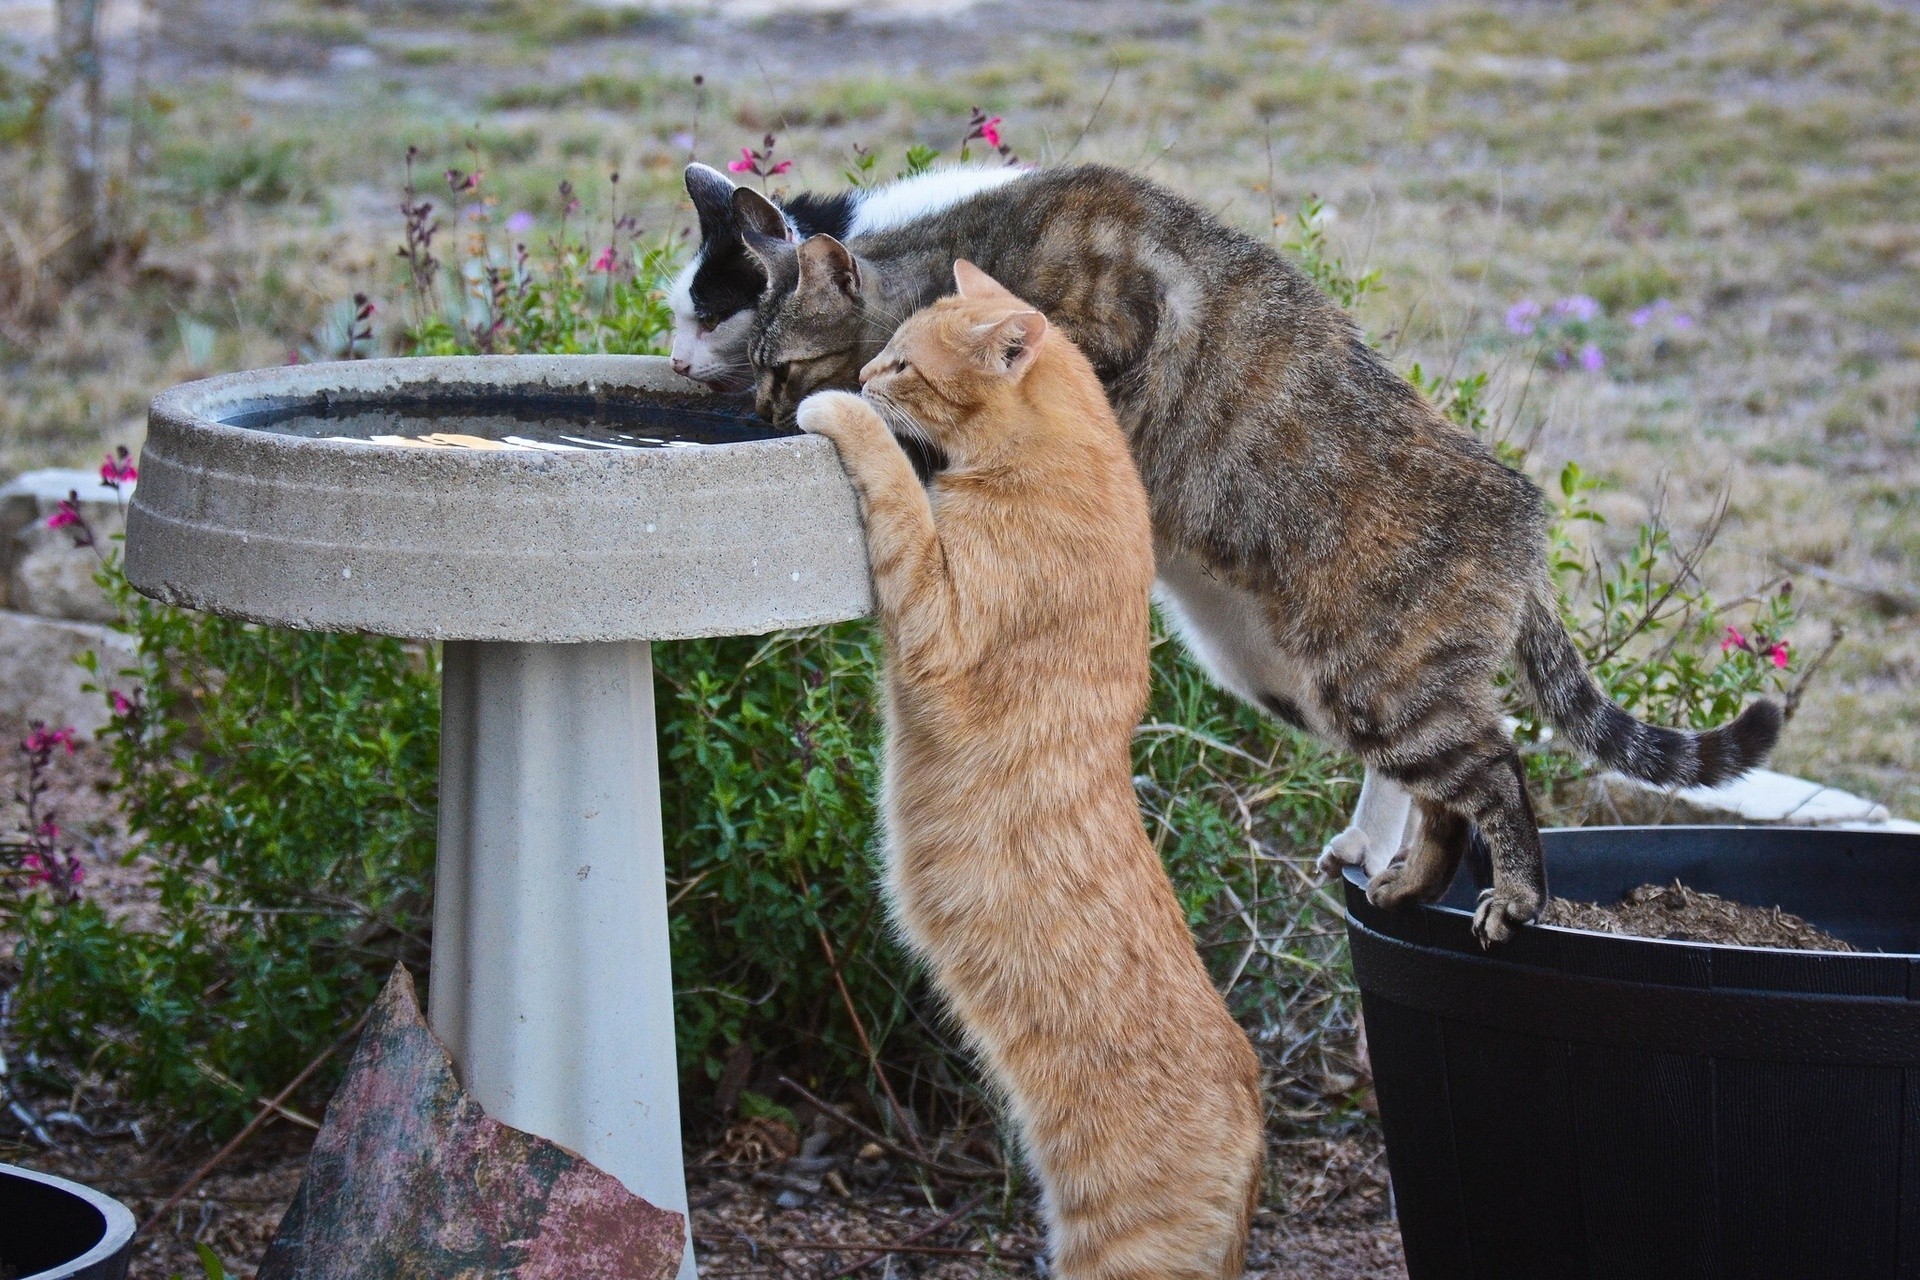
[1573,702]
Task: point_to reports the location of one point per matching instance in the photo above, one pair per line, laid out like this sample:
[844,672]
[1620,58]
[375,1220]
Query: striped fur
[1333,548]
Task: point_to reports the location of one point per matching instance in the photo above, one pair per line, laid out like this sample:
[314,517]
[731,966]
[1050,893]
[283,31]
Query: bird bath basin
[545,518]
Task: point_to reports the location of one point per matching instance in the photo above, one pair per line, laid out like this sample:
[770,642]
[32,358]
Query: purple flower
[520,222]
[1592,359]
[1522,316]
[1681,321]
[1579,307]
[682,141]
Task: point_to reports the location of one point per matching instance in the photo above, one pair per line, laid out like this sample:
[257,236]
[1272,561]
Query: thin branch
[886,1143]
[272,1108]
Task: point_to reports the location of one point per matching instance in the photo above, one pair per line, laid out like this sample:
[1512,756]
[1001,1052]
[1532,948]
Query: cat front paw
[1348,849]
[1499,910]
[832,413]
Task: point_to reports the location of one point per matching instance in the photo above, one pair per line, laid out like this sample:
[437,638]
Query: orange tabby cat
[1012,595]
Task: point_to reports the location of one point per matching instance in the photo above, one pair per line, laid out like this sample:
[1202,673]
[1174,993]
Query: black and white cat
[713,296]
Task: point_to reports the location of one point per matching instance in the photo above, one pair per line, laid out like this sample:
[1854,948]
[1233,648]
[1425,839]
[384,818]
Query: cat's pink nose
[682,367]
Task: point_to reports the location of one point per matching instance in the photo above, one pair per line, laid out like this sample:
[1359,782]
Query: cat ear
[712,193]
[762,226]
[825,263]
[1012,343]
[972,282]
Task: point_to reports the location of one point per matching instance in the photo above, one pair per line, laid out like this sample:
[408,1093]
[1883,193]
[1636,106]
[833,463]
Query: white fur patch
[901,202]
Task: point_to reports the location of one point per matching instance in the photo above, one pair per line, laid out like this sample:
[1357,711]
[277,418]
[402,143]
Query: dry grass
[1758,165]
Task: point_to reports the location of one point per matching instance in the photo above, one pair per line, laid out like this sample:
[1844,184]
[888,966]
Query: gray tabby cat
[1330,547]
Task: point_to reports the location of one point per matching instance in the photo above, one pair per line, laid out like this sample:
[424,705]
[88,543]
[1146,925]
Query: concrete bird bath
[545,568]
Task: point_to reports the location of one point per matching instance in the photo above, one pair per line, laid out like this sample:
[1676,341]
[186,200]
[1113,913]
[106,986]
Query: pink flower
[122,704]
[782,167]
[604,262]
[118,469]
[66,514]
[75,872]
[744,164]
[1733,640]
[37,865]
[42,738]
[1779,655]
[990,130]
[1592,359]
[49,830]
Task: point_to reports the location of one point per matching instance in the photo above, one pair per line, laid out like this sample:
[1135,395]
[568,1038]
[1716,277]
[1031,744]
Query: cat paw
[828,413]
[1499,910]
[1391,887]
[1348,849]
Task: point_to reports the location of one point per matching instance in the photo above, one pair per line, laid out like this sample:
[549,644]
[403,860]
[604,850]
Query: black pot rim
[1356,880]
[119,1219]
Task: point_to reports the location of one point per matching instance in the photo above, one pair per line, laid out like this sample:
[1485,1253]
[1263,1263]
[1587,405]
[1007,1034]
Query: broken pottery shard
[410,1178]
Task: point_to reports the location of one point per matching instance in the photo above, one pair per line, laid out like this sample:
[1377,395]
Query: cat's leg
[1426,867]
[1479,780]
[1376,833]
[912,590]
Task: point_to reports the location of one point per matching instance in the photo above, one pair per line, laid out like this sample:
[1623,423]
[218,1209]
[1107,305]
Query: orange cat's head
[961,373]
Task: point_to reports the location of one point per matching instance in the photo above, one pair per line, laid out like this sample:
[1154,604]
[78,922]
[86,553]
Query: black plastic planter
[1581,1105]
[52,1229]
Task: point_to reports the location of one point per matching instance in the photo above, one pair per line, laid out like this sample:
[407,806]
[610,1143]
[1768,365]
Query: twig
[272,1108]
[911,1237]
[1091,117]
[1812,669]
[886,1143]
[1893,598]
[860,1029]
[848,1246]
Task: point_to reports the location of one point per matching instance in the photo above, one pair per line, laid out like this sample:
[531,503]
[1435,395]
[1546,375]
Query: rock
[39,679]
[409,1177]
[1761,796]
[45,573]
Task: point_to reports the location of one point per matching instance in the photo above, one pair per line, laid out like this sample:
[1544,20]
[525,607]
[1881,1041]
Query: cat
[1329,546]
[1012,594]
[712,297]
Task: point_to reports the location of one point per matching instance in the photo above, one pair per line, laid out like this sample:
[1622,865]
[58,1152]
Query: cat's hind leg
[1478,780]
[1376,833]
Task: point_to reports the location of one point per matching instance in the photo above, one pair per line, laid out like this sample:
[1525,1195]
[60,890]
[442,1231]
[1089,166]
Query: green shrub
[280,786]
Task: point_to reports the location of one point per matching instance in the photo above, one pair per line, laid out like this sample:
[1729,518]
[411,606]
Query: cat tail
[1573,702]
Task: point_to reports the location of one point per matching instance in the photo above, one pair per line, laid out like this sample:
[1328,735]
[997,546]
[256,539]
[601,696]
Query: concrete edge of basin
[733,539]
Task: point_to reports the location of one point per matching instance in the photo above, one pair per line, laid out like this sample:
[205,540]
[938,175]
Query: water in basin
[552,422]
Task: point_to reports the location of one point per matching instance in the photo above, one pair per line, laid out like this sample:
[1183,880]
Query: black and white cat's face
[712,298]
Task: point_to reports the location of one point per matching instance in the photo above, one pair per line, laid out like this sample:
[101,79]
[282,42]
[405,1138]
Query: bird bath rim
[726,539]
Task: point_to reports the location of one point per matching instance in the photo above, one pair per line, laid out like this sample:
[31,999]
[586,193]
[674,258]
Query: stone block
[44,572]
[39,679]
[1761,796]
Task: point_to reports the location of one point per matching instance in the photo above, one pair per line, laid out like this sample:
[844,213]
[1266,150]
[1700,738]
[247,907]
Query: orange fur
[1013,603]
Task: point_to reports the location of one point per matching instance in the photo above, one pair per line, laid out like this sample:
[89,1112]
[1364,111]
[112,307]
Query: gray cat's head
[818,321]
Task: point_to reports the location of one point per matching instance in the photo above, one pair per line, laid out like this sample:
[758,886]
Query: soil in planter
[1680,914]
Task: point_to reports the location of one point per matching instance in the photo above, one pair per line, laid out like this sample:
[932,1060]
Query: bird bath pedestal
[544,568]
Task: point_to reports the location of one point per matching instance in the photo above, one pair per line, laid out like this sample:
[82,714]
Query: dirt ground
[1328,1217]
